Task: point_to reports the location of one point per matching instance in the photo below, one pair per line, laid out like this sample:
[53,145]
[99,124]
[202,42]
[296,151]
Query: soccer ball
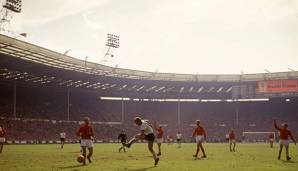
[80,158]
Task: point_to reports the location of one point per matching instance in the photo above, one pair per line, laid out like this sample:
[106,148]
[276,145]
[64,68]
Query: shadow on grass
[71,167]
[141,169]
[288,161]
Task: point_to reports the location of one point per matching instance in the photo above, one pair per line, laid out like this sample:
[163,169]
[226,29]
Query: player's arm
[194,133]
[292,137]
[275,125]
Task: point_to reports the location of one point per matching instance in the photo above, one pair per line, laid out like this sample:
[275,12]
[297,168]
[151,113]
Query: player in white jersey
[62,138]
[179,138]
[147,133]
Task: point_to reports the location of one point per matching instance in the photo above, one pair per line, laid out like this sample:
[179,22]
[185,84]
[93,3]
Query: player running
[62,138]
[147,134]
[123,138]
[200,135]
[284,135]
[271,139]
[232,140]
[179,138]
[2,137]
[86,134]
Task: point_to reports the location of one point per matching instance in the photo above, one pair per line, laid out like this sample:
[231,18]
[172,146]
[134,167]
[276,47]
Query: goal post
[257,136]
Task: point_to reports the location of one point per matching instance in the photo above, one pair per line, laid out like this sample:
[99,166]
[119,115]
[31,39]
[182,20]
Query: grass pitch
[248,157]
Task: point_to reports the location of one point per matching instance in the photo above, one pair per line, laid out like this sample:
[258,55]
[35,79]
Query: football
[80,158]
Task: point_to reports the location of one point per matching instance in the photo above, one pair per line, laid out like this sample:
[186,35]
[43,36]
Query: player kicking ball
[2,137]
[284,135]
[232,140]
[147,134]
[86,135]
[200,135]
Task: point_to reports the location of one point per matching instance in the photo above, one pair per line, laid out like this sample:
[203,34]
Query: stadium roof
[36,54]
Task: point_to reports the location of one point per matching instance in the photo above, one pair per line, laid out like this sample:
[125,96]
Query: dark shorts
[178,140]
[62,139]
[150,137]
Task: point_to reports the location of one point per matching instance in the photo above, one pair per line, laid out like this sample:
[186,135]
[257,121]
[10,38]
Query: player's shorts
[232,140]
[271,139]
[150,137]
[2,140]
[199,138]
[179,140]
[86,143]
[62,139]
[284,142]
[159,140]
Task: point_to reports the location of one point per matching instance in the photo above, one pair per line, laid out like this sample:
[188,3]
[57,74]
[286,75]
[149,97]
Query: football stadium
[58,112]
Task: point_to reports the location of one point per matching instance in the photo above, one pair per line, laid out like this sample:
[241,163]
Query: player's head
[198,122]
[285,125]
[123,131]
[232,130]
[1,127]
[138,121]
[159,126]
[86,120]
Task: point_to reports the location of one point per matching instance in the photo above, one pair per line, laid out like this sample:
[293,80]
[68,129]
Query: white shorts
[284,142]
[159,140]
[2,140]
[86,143]
[199,138]
[232,141]
[271,139]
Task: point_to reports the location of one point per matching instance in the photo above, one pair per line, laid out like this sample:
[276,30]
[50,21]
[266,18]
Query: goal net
[257,136]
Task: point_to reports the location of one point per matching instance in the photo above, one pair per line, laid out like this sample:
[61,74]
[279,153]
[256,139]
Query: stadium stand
[49,92]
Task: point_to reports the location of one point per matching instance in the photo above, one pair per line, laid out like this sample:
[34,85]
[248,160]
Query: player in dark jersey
[123,138]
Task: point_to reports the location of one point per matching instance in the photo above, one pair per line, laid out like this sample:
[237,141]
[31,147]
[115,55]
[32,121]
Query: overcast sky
[181,36]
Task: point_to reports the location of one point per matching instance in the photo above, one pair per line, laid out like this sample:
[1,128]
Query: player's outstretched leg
[280,150]
[90,154]
[133,140]
[122,148]
[150,148]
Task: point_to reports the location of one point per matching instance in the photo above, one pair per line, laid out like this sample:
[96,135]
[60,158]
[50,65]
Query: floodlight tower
[113,42]
[8,10]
